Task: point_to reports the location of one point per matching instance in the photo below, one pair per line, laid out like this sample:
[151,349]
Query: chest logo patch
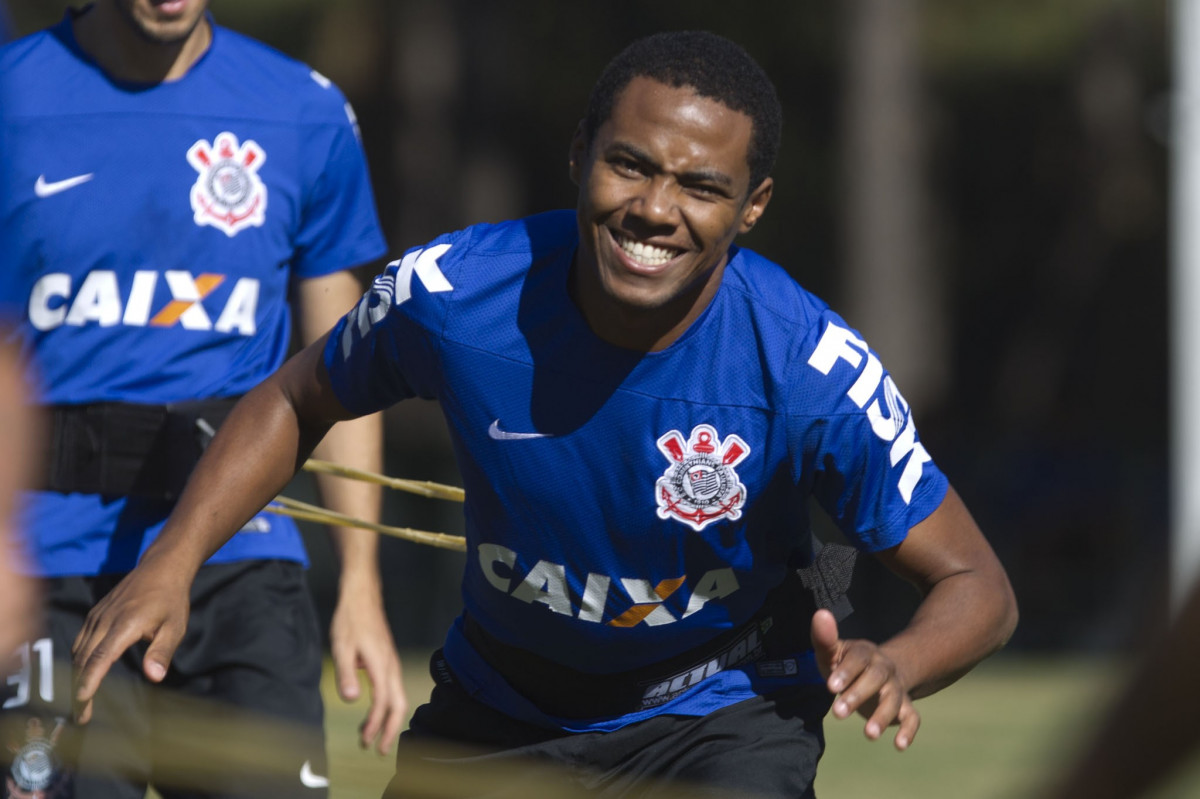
[228,193]
[700,486]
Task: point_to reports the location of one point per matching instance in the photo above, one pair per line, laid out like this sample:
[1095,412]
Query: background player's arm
[256,452]
[359,634]
[968,612]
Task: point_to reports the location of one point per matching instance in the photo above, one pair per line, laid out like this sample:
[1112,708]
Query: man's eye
[705,191]
[626,167]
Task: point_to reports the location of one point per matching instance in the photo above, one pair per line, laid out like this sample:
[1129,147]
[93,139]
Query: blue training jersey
[623,507]
[151,235]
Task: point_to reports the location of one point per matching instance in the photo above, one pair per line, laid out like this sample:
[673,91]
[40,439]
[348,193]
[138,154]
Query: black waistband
[127,449]
[779,630]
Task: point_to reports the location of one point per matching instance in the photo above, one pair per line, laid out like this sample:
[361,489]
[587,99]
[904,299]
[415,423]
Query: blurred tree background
[979,187]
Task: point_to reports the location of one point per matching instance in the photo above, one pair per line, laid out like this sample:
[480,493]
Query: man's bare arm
[968,612]
[359,633]
[267,437]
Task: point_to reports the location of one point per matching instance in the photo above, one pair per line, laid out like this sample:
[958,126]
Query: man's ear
[577,154]
[756,204]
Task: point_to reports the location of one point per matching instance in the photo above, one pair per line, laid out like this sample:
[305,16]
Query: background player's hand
[864,679]
[360,638]
[148,605]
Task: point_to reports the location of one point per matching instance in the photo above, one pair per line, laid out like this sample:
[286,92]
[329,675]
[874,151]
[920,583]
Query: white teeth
[646,254]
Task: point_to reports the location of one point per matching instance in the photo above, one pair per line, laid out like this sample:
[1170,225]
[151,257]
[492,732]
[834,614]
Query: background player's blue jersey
[623,508]
[151,236]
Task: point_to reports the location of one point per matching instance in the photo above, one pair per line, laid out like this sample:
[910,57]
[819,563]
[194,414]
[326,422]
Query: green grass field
[998,734]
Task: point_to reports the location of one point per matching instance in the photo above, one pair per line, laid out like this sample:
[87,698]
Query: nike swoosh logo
[44,189]
[311,780]
[503,435]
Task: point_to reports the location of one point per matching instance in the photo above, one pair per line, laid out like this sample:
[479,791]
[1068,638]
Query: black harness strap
[126,449]
[779,630]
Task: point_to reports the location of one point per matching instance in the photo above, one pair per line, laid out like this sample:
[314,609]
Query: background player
[168,186]
[640,411]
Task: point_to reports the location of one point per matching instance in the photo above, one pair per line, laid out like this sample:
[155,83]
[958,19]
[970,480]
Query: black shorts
[762,747]
[239,714]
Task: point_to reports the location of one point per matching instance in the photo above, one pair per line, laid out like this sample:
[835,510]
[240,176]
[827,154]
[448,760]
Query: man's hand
[864,679]
[361,639]
[148,605]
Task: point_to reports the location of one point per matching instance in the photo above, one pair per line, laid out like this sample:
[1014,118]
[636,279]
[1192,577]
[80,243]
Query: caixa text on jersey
[99,299]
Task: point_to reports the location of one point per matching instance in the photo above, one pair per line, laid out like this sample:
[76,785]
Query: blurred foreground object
[1151,728]
[19,435]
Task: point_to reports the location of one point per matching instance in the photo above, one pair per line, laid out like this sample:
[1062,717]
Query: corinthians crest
[36,772]
[228,194]
[700,486]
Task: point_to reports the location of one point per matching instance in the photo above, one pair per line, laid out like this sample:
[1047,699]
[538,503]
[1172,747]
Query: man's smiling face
[663,191]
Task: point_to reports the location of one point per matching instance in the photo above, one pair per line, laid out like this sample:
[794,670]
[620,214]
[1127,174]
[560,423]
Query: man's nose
[658,202]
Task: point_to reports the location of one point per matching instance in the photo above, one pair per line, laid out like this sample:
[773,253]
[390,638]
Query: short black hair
[715,68]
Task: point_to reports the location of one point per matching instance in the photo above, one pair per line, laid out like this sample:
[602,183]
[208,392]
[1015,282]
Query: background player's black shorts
[240,716]
[762,747]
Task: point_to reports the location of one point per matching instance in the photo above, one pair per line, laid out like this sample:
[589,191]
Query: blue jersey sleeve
[859,446]
[339,227]
[386,349]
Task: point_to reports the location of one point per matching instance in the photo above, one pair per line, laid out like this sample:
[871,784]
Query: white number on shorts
[21,678]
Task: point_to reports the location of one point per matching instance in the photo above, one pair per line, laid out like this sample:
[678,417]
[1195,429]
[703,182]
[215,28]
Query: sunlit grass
[998,734]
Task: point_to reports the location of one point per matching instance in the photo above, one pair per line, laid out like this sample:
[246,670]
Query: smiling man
[640,411]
